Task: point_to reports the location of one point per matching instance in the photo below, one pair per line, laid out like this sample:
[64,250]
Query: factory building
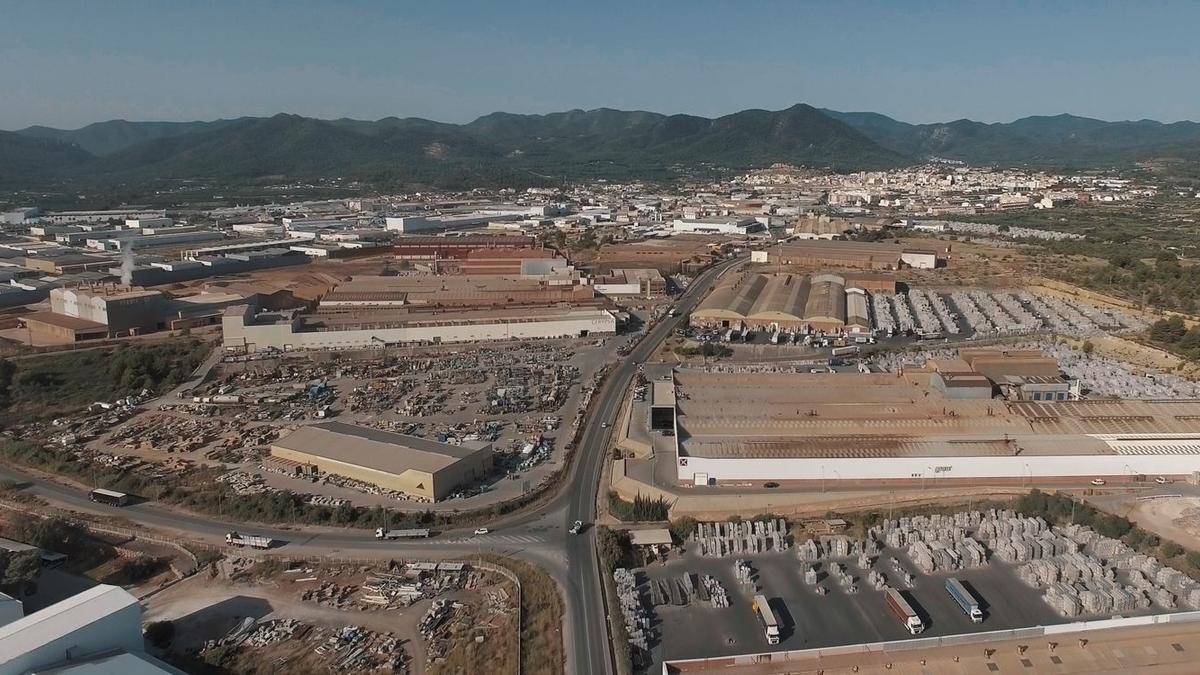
[734,226]
[645,282]
[410,465]
[907,429]
[245,331]
[440,248]
[785,301]
[98,630]
[492,261]
[848,254]
[107,311]
[72,217]
[455,291]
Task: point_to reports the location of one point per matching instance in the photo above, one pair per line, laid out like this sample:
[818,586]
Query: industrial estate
[599,392]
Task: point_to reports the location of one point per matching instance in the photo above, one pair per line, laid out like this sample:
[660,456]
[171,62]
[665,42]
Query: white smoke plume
[127,266]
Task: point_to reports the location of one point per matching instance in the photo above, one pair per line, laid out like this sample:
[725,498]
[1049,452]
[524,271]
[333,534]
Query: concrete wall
[938,468]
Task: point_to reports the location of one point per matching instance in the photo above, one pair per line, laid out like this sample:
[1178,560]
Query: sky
[66,64]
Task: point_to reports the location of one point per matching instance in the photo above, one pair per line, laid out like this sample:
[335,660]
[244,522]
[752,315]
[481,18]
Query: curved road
[538,536]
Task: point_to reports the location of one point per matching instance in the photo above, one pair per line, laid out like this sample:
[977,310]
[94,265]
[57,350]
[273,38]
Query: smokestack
[127,266]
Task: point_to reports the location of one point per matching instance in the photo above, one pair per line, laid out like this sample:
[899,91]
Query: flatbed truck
[904,611]
[963,597]
[253,541]
[381,533]
[766,617]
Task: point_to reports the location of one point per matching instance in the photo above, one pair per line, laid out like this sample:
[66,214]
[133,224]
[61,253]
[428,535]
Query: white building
[735,226]
[139,223]
[96,631]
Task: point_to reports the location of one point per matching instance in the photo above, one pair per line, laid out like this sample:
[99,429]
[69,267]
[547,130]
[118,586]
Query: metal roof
[377,449]
[61,619]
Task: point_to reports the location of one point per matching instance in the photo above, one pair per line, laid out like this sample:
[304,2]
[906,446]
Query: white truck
[766,618]
[253,541]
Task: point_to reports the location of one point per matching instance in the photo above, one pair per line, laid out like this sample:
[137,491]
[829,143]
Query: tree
[19,569]
[1171,550]
[1193,559]
[160,633]
[1168,331]
[1088,347]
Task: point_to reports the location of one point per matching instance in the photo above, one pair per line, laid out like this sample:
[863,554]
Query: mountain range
[510,149]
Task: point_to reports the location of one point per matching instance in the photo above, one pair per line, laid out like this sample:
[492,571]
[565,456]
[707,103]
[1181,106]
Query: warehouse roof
[377,449]
[61,619]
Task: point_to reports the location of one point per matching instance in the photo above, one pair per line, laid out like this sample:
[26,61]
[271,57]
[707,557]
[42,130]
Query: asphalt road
[538,536]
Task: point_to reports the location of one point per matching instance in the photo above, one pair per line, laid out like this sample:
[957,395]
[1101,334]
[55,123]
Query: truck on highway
[904,611]
[253,541]
[964,599]
[381,533]
[766,617]
[110,497]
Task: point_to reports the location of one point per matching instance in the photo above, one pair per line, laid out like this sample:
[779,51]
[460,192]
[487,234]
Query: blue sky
[69,63]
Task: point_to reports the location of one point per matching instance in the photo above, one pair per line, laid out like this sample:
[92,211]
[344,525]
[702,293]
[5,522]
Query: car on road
[604,425]
[577,527]
[771,484]
[1161,480]
[481,530]
[1097,481]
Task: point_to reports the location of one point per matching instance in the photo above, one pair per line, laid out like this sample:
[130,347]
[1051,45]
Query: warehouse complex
[414,466]
[784,301]
[903,428]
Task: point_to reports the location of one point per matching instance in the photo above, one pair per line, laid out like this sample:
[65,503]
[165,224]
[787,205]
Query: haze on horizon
[69,63]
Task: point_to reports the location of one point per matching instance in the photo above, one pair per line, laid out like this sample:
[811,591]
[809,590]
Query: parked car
[1161,480]
[1097,481]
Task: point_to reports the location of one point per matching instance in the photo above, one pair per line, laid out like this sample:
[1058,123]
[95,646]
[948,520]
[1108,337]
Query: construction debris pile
[748,536]
[345,649]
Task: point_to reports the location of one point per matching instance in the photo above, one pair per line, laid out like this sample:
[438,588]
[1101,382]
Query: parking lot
[809,620]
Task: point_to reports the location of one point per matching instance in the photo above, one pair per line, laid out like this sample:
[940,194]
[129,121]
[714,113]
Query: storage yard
[404,617]
[517,401]
[831,590]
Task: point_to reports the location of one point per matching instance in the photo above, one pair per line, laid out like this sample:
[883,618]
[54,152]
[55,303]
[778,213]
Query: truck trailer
[904,611]
[253,541]
[964,599]
[110,497]
[844,351]
[766,617]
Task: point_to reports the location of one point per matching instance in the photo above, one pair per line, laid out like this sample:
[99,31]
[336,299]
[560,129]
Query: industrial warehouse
[413,466]
[824,302]
[904,428]
[374,312]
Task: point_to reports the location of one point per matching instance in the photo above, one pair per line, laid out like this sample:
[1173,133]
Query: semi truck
[904,611]
[381,533]
[766,617]
[964,599]
[110,497]
[253,541]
